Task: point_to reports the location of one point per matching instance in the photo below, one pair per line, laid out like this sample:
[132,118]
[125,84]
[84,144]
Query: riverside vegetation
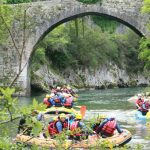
[10,110]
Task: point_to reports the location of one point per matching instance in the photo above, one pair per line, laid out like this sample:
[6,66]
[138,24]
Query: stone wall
[47,15]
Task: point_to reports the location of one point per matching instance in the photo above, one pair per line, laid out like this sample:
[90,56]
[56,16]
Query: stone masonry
[49,14]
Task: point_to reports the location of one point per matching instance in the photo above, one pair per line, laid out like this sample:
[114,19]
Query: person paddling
[106,127]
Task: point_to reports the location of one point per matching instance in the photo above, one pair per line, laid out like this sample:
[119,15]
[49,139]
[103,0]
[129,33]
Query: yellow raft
[92,141]
[58,110]
[54,111]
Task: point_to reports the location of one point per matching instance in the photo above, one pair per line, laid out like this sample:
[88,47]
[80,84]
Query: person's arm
[59,126]
[118,128]
[137,105]
[101,125]
[51,100]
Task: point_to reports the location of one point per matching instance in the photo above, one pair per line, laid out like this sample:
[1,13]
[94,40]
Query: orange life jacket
[52,129]
[109,127]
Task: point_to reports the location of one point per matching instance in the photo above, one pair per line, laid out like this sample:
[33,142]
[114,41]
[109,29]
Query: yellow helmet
[48,96]
[78,116]
[55,118]
[62,115]
[101,116]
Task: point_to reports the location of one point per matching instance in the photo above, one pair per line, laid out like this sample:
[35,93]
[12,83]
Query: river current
[112,103]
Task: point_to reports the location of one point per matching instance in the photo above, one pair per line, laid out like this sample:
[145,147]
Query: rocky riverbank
[105,77]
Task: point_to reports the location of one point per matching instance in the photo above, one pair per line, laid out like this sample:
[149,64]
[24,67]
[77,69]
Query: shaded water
[113,103]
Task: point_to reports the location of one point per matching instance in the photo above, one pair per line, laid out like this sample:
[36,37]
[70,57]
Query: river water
[113,103]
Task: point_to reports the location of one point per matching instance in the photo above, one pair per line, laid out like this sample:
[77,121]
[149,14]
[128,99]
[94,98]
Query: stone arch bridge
[49,14]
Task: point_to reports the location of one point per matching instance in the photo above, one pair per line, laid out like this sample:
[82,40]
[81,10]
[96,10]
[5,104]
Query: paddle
[148,115]
[77,106]
[83,111]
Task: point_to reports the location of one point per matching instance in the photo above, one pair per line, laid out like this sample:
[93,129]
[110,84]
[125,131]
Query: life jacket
[52,129]
[73,127]
[69,101]
[46,102]
[139,102]
[57,100]
[146,106]
[109,127]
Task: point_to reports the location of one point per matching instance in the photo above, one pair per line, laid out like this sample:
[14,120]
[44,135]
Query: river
[113,103]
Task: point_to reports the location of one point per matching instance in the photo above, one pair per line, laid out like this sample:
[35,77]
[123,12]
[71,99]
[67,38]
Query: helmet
[55,118]
[78,116]
[48,96]
[52,94]
[62,115]
[58,88]
[101,116]
[139,95]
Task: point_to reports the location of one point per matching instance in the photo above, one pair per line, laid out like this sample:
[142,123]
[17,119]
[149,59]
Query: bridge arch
[56,12]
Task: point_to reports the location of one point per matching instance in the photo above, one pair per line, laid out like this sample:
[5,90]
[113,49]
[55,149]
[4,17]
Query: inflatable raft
[58,110]
[55,111]
[92,141]
[139,116]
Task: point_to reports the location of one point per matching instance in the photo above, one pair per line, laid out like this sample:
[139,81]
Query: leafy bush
[90,1]
[18,1]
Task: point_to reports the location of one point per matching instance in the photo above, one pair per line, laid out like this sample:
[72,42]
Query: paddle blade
[148,115]
[83,111]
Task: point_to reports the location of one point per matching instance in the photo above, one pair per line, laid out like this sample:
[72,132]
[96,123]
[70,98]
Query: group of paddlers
[78,130]
[74,124]
[65,96]
[142,105]
[61,96]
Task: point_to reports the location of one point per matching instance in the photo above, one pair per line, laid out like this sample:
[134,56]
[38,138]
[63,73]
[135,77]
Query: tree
[15,26]
[10,112]
[145,43]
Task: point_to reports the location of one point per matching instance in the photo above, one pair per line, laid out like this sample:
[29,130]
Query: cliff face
[104,77]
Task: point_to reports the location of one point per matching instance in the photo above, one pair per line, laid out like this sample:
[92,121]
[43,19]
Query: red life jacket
[146,106]
[74,125]
[139,102]
[69,101]
[109,127]
[52,129]
[46,102]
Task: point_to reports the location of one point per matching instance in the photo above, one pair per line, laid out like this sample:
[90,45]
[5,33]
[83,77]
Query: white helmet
[139,95]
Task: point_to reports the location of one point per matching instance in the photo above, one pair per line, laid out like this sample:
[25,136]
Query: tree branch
[3,122]
[10,34]
[10,114]
[17,75]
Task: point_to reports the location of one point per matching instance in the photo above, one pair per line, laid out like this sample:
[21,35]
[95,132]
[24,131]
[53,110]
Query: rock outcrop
[105,77]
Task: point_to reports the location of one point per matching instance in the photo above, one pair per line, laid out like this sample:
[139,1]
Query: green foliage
[90,1]
[18,1]
[146,6]
[145,52]
[106,23]
[145,43]
[72,45]
[6,20]
[38,56]
[10,111]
